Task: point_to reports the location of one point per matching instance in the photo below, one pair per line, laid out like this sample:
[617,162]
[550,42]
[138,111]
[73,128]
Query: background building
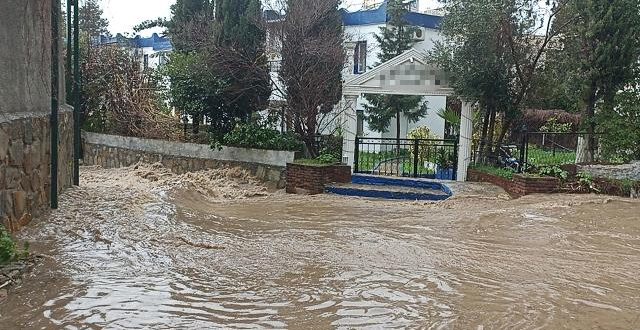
[152,52]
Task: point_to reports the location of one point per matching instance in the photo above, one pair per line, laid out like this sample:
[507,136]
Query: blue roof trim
[379,16]
[158,43]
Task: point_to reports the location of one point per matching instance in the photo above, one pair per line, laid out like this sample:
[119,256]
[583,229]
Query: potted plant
[446,163]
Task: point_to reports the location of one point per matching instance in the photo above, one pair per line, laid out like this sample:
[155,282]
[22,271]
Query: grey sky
[123,15]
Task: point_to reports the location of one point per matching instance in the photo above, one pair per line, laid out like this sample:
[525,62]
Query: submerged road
[142,248]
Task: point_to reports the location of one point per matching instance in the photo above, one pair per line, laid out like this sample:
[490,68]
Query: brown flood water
[142,248]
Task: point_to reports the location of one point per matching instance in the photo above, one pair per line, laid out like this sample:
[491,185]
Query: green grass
[540,157]
[501,172]
[368,160]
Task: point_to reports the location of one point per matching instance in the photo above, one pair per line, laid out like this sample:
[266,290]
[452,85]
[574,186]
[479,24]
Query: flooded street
[142,248]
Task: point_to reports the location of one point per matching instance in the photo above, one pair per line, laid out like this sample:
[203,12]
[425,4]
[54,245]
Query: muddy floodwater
[142,248]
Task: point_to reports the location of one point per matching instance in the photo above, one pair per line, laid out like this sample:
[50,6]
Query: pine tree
[394,39]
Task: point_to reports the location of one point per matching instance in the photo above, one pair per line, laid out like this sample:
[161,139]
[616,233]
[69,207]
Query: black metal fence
[532,150]
[544,149]
[424,158]
[504,155]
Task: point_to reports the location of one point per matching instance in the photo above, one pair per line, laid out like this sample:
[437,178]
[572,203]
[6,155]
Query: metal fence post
[76,92]
[55,98]
[416,148]
[523,149]
[356,155]
[455,159]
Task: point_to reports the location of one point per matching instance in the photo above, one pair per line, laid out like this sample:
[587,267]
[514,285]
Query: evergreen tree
[394,39]
[190,24]
[91,21]
[221,72]
[603,49]
[239,54]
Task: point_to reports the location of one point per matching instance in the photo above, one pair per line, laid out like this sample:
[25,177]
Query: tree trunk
[587,147]
[483,137]
[195,128]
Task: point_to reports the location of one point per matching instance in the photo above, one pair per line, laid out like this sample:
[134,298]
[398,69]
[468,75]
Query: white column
[466,134]
[349,128]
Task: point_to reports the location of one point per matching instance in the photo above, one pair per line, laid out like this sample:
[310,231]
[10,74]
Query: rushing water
[129,252]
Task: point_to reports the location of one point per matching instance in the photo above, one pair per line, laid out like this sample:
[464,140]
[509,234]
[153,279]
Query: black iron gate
[418,158]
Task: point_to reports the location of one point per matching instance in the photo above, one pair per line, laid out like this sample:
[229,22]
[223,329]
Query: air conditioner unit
[418,34]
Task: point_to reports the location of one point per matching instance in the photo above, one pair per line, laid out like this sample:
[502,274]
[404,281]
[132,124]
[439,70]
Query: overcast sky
[123,15]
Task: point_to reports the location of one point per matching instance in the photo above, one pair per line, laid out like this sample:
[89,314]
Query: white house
[408,74]
[362,52]
[152,52]
[362,49]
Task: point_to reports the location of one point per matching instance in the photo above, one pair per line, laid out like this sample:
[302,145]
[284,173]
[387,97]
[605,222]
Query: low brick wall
[25,163]
[111,151]
[311,179]
[521,185]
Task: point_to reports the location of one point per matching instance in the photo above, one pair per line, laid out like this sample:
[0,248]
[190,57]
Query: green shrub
[554,171]
[259,135]
[331,144]
[621,127]
[506,173]
[425,148]
[7,246]
[323,159]
[586,181]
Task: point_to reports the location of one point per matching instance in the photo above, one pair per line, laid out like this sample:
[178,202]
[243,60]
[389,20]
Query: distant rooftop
[157,42]
[379,15]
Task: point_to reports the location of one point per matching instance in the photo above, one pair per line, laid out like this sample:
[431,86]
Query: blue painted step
[392,188]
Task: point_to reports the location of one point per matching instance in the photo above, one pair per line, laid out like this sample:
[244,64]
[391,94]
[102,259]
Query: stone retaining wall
[520,185]
[111,151]
[311,179]
[25,165]
[629,171]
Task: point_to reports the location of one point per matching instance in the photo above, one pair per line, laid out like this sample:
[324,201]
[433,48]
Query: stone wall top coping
[9,117]
[192,150]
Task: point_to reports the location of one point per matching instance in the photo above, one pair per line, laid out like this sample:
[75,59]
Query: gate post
[416,146]
[356,155]
[455,157]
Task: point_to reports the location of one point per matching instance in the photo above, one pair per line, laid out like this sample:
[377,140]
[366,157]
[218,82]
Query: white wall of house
[354,34]
[153,58]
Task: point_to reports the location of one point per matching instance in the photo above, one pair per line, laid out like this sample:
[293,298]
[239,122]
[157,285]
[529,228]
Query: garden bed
[310,178]
[519,185]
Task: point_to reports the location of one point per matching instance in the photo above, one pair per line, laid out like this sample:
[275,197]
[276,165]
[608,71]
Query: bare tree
[310,40]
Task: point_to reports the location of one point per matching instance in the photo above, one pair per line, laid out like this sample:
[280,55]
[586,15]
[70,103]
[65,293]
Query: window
[360,58]
[359,123]
[163,59]
[274,66]
[146,61]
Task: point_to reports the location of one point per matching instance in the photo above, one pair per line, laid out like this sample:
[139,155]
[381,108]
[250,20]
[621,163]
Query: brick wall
[520,185]
[311,180]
